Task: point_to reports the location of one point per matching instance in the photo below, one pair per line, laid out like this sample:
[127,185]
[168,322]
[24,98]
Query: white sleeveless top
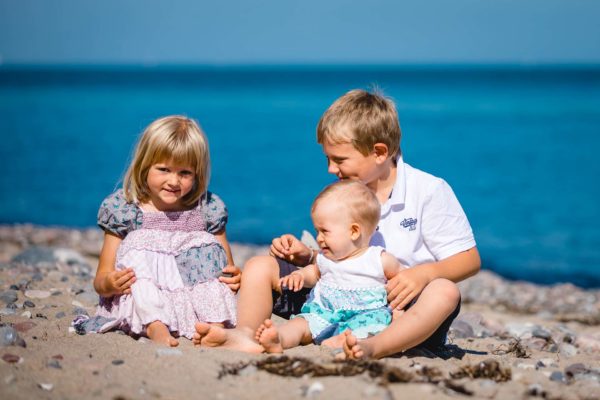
[364,271]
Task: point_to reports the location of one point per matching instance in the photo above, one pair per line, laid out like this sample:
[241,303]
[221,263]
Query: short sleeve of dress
[215,212]
[117,216]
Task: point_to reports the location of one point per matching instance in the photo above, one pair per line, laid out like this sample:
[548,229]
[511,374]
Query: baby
[348,275]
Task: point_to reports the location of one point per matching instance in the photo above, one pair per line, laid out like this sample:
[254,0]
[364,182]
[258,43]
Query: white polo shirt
[422,221]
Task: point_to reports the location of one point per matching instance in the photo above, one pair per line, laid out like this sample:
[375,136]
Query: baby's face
[334,229]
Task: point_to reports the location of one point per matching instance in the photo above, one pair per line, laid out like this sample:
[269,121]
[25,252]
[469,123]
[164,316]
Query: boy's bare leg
[436,302]
[255,304]
[275,339]
[159,333]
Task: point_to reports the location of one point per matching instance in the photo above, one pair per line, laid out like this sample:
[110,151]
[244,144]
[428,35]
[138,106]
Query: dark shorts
[289,303]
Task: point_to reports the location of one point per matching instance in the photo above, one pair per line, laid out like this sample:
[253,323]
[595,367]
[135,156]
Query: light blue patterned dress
[349,295]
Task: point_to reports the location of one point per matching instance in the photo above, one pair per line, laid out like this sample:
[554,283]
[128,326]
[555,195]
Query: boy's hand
[232,277]
[293,281]
[119,282]
[289,248]
[405,286]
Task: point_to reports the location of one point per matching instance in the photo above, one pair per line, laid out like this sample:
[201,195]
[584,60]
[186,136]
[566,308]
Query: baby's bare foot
[268,336]
[353,350]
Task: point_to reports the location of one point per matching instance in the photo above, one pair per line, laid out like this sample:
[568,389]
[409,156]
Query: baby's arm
[307,276]
[108,281]
[232,274]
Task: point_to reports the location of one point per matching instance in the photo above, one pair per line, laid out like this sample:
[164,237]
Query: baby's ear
[355,231]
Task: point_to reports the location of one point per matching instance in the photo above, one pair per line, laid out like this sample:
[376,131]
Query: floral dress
[177,262]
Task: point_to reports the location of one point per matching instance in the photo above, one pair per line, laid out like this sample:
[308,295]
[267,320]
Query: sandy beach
[511,340]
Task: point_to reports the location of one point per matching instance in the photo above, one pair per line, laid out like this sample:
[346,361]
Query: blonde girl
[165,247]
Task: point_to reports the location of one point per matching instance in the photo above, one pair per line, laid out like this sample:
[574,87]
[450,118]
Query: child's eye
[187,173]
[163,169]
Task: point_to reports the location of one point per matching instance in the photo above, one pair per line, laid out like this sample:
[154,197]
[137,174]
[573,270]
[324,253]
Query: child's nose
[333,168]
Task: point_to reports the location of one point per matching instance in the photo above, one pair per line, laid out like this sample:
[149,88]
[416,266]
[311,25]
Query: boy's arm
[407,284]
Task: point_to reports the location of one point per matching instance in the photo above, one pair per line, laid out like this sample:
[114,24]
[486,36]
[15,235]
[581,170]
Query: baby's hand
[119,282]
[293,281]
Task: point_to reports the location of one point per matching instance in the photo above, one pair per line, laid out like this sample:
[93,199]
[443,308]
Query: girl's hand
[405,286]
[293,281]
[289,248]
[119,282]
[232,277]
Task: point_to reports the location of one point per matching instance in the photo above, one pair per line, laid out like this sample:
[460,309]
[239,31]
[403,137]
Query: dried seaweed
[515,347]
[488,369]
[380,372]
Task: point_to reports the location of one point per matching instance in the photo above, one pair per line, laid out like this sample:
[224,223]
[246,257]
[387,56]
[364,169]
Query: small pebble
[7,311]
[557,376]
[313,390]
[29,304]
[166,352]
[37,294]
[24,326]
[40,315]
[11,358]
[118,362]
[26,314]
[46,386]
[9,296]
[60,315]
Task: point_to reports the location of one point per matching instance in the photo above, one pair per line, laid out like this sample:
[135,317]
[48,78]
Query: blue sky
[309,31]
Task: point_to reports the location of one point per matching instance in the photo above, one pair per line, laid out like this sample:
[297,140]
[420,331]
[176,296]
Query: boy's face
[345,162]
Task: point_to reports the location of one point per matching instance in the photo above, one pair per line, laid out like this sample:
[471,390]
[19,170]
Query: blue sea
[518,144]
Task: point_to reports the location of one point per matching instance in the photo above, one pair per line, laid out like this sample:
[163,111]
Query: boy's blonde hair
[360,201]
[363,119]
[176,139]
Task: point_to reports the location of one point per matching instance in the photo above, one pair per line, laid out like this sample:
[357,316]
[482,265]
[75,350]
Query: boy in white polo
[422,225]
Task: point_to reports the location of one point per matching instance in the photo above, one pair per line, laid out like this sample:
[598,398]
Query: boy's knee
[447,291]
[261,267]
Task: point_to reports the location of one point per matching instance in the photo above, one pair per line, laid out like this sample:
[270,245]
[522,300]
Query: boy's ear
[381,151]
[354,231]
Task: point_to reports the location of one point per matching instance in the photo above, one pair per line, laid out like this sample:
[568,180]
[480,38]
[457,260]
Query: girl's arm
[108,281]
[234,280]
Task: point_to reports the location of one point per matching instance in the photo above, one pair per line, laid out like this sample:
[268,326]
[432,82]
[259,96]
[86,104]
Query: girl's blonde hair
[176,139]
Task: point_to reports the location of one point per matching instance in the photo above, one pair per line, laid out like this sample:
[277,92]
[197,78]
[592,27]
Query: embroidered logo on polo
[410,223]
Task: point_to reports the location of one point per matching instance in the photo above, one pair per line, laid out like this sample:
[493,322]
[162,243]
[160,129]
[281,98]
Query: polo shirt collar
[399,192]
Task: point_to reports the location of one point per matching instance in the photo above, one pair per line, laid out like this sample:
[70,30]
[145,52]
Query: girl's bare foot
[217,336]
[159,333]
[268,336]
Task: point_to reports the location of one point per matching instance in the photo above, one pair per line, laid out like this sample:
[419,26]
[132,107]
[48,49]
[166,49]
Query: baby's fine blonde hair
[363,119]
[359,201]
[176,139]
